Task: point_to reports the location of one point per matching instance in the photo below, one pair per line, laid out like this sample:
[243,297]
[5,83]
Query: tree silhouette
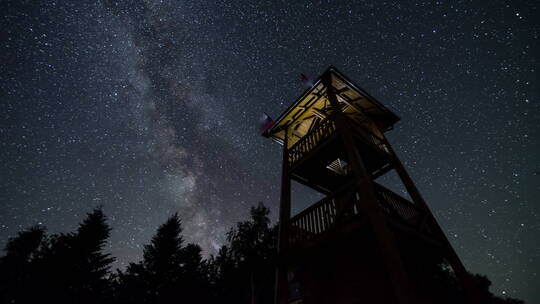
[16,267]
[195,276]
[162,255]
[444,288]
[155,279]
[133,285]
[63,268]
[72,268]
[223,273]
[245,268]
[168,273]
[483,284]
[162,260]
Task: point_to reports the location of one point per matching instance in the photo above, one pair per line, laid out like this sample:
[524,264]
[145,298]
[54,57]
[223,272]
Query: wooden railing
[368,135]
[396,205]
[320,217]
[307,143]
[314,220]
[323,130]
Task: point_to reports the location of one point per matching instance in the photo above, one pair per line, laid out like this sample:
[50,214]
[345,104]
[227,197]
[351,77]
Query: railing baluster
[308,222]
[333,209]
[331,215]
[314,221]
[355,204]
[325,216]
[320,217]
[307,225]
[399,205]
[324,129]
[311,140]
[319,220]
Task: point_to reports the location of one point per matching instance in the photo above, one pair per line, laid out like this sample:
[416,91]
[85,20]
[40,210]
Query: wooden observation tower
[362,243]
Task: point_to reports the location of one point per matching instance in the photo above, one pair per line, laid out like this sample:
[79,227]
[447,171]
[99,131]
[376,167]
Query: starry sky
[152,107]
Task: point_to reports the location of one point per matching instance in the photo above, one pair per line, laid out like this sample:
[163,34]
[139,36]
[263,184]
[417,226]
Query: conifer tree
[73,267]
[162,255]
[17,274]
[169,272]
[195,281]
[157,278]
[92,265]
[133,285]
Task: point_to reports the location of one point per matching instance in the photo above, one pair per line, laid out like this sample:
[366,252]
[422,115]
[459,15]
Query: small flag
[266,123]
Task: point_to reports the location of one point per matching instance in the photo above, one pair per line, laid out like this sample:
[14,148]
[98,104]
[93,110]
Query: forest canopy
[74,267]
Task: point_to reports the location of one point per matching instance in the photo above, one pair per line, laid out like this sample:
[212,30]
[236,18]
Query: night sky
[152,107]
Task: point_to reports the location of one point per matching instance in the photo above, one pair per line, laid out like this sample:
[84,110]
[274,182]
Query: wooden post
[368,203]
[462,275]
[282,294]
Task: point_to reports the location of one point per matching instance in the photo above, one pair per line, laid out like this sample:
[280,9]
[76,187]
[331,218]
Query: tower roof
[313,106]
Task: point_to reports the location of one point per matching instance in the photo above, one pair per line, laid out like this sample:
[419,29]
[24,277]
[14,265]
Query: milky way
[151,107]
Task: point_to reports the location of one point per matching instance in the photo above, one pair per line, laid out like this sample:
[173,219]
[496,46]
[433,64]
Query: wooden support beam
[342,90]
[413,232]
[310,184]
[319,113]
[351,103]
[471,292]
[382,171]
[282,293]
[368,202]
